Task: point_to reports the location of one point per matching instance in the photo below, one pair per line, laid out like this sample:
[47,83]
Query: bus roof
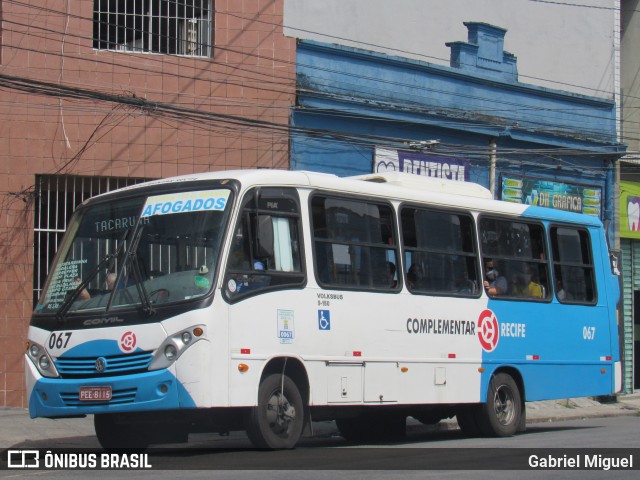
[390,185]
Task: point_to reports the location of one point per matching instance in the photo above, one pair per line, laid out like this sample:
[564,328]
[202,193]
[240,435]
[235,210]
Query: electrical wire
[531,122]
[332,133]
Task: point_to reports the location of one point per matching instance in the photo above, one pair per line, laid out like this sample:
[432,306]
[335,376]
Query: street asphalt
[18,430]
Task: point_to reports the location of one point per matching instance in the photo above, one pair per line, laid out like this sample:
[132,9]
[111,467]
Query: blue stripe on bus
[550,347]
[553,215]
[563,361]
[55,397]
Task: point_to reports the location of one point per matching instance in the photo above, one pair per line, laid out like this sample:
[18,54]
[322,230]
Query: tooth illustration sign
[633,213]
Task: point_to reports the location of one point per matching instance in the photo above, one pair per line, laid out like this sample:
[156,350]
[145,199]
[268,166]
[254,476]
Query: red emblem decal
[128,342]
[488,331]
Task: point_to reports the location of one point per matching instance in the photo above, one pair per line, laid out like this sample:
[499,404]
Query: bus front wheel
[278,420]
[501,415]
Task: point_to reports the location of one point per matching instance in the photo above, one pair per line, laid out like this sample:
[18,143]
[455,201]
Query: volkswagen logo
[101,364]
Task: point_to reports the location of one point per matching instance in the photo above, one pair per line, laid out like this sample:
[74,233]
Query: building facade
[537,123]
[96,95]
[630,188]
[472,121]
[561,44]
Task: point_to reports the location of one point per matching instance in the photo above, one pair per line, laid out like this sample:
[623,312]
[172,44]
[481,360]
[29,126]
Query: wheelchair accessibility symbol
[324,320]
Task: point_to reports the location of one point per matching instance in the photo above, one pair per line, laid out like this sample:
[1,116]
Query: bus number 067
[60,340]
[589,333]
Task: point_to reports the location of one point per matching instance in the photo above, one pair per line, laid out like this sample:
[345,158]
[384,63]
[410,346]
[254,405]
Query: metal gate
[57,196]
[630,283]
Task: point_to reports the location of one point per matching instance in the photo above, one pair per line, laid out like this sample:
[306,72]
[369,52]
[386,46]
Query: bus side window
[573,265]
[440,252]
[266,252]
[514,252]
[354,243]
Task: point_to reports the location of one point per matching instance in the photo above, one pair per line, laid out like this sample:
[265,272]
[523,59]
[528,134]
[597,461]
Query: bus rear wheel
[278,420]
[113,435]
[501,415]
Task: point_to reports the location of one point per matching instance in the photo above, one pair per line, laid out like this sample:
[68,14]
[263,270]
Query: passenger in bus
[242,280]
[111,280]
[84,293]
[524,285]
[494,284]
[110,283]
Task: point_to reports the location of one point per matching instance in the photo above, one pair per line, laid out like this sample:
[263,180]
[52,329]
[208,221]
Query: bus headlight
[175,345]
[170,352]
[41,359]
[44,362]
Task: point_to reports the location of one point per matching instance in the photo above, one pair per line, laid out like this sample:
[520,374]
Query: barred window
[57,196]
[176,27]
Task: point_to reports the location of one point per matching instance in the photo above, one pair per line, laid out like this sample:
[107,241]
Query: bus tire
[120,436]
[501,415]
[278,420]
[522,427]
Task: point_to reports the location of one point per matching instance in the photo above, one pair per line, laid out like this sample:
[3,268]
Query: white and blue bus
[262,300]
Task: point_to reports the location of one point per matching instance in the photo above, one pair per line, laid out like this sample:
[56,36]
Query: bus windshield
[138,252]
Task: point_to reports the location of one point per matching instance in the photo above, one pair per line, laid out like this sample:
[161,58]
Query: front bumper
[154,390]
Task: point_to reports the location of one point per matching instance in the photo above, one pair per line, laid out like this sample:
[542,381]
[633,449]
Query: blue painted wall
[350,101]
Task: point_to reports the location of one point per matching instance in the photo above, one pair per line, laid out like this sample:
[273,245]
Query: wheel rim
[280,413]
[504,405]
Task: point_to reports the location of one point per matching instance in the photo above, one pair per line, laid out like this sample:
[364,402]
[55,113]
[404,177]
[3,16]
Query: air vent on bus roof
[418,182]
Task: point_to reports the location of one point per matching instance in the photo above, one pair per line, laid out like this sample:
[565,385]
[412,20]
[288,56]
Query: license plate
[95,394]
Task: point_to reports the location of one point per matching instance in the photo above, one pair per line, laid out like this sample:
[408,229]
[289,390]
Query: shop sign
[417,163]
[547,193]
[630,210]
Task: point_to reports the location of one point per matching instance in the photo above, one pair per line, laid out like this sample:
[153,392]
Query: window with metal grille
[176,27]
[57,196]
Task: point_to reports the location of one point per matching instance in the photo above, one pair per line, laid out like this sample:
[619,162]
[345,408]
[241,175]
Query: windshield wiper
[147,308]
[71,297]
[132,260]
